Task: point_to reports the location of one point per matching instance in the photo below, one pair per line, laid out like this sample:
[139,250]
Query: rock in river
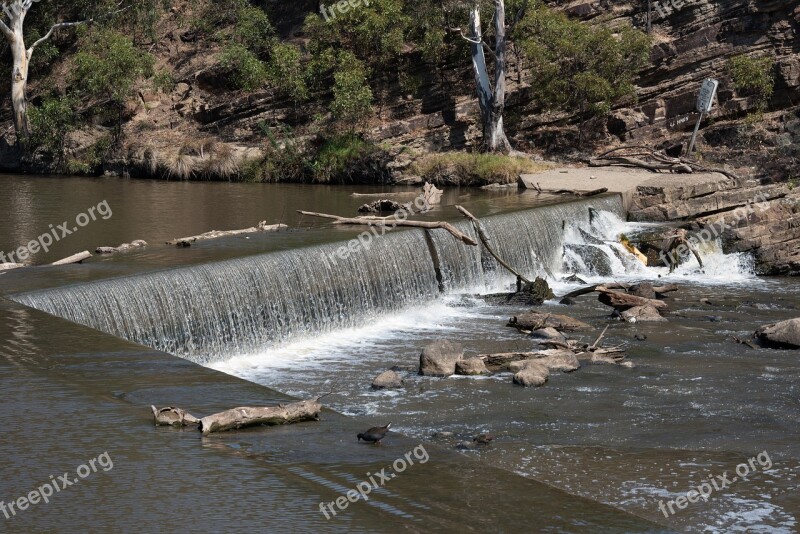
[783,335]
[439,358]
[387,380]
[471,367]
[532,375]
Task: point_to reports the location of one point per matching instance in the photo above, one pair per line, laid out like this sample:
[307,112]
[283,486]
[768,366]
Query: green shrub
[753,77]
[247,71]
[579,67]
[286,72]
[108,65]
[91,161]
[50,124]
[338,157]
[164,81]
[352,96]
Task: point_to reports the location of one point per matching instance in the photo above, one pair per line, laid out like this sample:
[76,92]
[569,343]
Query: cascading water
[594,252]
[209,312]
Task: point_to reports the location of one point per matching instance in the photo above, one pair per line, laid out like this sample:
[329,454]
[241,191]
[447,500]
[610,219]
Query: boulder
[439,358]
[643,314]
[532,294]
[532,375]
[471,367]
[644,290]
[548,334]
[564,361]
[561,360]
[783,335]
[387,380]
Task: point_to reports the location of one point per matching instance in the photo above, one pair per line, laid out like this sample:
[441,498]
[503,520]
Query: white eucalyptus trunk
[19,84]
[492,102]
[12,28]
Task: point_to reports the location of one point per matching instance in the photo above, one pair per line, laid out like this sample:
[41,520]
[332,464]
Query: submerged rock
[532,294]
[387,380]
[471,367]
[556,360]
[439,358]
[548,334]
[783,335]
[642,314]
[532,375]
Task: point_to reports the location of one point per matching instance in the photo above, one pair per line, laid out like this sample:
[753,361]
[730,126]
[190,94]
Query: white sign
[706,99]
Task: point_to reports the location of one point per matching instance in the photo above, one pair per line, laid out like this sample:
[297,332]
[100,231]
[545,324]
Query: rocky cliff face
[693,41]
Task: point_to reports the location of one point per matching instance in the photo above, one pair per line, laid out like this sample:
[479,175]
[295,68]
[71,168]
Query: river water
[696,406]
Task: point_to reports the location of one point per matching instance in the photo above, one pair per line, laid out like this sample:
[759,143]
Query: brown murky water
[596,450]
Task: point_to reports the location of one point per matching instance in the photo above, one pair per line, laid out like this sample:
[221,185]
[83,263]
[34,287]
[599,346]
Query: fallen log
[592,289]
[677,167]
[476,223]
[10,266]
[307,410]
[122,248]
[172,416]
[392,222]
[75,258]
[402,194]
[623,301]
[215,234]
[663,290]
[575,192]
[665,162]
[554,359]
[534,321]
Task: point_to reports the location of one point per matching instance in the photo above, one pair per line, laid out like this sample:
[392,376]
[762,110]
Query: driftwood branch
[576,192]
[662,161]
[593,347]
[215,234]
[125,247]
[307,410]
[172,416]
[680,168]
[486,243]
[392,222]
[75,258]
[623,301]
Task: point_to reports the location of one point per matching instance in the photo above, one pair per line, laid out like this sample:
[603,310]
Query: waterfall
[210,312]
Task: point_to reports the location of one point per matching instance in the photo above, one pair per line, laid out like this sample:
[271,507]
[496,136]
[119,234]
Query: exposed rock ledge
[763,219]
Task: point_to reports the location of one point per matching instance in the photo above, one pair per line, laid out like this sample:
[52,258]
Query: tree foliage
[579,67]
[108,65]
[753,76]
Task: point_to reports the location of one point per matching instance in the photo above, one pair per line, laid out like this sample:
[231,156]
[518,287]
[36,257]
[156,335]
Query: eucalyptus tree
[13,15]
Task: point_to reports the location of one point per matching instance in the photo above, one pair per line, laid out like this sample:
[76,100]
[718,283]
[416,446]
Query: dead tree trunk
[492,101]
[216,234]
[236,418]
[486,243]
[392,222]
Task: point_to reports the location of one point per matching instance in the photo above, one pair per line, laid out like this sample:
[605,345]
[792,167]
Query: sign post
[705,102]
